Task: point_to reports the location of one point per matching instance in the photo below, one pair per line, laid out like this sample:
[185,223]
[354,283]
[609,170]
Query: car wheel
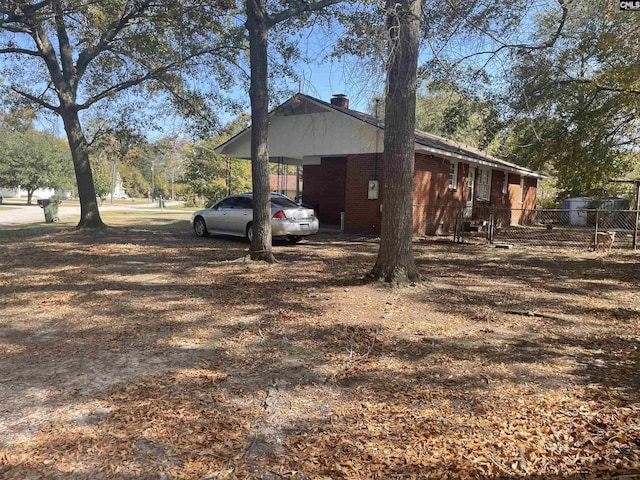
[250,232]
[200,228]
[294,238]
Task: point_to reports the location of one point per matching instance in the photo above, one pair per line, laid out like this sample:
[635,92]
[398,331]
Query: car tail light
[315,215]
[279,214]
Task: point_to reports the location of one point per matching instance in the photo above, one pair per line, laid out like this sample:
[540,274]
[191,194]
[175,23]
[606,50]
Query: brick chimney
[340,100]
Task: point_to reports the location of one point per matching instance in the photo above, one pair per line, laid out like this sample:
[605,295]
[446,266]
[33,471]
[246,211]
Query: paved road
[33,214]
[30,214]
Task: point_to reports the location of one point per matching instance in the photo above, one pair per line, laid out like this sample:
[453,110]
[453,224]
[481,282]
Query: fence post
[492,224]
[595,236]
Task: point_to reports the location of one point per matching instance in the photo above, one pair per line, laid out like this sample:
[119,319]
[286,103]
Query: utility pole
[113,179]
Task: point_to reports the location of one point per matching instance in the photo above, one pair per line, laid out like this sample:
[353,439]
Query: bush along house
[340,151]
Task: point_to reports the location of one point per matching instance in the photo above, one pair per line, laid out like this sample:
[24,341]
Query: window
[453,175]
[505,183]
[225,204]
[243,203]
[483,191]
[521,189]
[283,202]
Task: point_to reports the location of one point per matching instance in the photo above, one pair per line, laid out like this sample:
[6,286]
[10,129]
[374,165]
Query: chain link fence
[562,228]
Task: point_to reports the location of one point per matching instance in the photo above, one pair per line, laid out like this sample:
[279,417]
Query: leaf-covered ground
[145,352]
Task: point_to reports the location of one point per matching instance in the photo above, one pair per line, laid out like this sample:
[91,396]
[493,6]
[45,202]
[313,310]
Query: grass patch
[143,213]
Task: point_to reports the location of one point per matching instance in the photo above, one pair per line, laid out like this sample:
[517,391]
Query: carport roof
[427,142]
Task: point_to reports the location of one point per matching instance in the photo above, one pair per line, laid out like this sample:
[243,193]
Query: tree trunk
[395,263]
[89,213]
[29,196]
[261,244]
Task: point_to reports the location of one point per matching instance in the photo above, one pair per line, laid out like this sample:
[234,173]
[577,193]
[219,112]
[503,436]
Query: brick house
[341,154]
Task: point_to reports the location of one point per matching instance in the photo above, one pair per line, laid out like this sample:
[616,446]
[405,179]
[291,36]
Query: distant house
[287,183]
[341,154]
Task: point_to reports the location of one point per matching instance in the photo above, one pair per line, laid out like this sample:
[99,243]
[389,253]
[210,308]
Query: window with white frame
[521,189]
[453,175]
[483,192]
[505,183]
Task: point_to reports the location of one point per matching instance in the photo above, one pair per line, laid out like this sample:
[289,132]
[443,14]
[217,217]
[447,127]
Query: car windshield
[283,202]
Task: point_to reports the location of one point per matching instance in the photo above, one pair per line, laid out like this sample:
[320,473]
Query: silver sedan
[233,215]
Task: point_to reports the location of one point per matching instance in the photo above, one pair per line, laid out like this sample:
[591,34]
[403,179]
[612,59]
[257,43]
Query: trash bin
[50,208]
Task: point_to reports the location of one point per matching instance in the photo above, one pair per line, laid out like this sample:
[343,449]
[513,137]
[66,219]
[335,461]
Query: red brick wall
[434,203]
[529,197]
[435,206]
[530,192]
[500,201]
[361,214]
[529,200]
[324,188]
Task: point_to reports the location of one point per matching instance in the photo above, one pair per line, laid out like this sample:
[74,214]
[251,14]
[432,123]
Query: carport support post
[635,231]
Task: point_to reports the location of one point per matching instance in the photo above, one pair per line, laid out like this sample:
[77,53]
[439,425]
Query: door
[216,217]
[468,212]
[240,216]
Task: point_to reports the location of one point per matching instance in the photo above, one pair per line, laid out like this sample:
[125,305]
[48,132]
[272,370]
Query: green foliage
[577,103]
[462,118]
[33,160]
[101,169]
[133,180]
[17,117]
[119,45]
[68,56]
[210,177]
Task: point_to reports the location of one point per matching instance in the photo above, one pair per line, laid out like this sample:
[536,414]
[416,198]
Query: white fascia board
[463,158]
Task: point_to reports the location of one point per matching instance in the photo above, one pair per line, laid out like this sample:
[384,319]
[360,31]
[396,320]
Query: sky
[320,76]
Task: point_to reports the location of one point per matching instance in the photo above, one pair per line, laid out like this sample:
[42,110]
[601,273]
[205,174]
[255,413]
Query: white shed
[574,210]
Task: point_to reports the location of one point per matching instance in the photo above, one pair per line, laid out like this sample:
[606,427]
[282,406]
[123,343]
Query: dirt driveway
[144,352]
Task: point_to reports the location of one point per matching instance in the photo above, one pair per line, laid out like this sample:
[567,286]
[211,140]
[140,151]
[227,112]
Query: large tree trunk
[89,213]
[395,263]
[258,93]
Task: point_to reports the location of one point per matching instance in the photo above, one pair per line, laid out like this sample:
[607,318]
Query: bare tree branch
[302,7]
[142,78]
[605,88]
[186,101]
[22,51]
[518,46]
[49,55]
[64,45]
[37,100]
[87,55]
[15,28]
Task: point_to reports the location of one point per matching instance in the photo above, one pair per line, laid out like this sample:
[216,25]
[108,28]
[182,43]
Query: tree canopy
[68,55]
[32,160]
[576,105]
